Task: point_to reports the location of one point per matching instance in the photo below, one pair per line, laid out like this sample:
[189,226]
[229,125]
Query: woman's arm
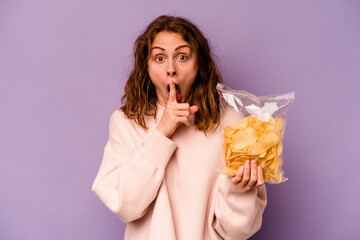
[236,213]
[128,181]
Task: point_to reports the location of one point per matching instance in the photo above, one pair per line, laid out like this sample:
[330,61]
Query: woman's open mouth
[178,92]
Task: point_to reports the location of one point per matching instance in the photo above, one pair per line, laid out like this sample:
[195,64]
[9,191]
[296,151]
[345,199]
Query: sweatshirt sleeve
[236,213]
[129,180]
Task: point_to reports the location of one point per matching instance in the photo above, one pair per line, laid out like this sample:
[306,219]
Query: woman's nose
[171,70]
[171,73]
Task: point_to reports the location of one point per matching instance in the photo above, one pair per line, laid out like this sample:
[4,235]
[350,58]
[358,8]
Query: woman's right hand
[175,113]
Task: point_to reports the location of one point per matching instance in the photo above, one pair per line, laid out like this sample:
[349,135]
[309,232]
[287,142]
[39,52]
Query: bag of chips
[253,128]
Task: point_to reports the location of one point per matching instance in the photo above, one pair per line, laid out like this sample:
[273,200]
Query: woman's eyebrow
[156,47]
[182,46]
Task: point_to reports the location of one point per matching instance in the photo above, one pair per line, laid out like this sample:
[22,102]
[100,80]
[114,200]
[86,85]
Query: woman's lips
[178,92]
[178,97]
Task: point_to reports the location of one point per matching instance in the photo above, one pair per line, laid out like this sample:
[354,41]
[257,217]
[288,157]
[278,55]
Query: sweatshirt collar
[159,111]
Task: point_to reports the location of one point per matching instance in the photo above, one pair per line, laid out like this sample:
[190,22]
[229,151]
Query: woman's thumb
[194,109]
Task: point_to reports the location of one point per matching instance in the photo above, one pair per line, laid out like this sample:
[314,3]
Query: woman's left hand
[249,177]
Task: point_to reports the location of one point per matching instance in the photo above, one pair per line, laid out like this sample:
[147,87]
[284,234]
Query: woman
[160,170]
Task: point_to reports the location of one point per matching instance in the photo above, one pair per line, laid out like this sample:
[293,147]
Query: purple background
[63,65]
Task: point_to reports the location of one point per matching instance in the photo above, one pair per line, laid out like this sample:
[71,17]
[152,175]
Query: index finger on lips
[172,93]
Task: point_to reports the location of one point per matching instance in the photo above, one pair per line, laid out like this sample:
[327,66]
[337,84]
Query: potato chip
[243,138]
[253,138]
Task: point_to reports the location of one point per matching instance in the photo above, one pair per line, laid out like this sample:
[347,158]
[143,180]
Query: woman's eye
[159,58]
[182,57]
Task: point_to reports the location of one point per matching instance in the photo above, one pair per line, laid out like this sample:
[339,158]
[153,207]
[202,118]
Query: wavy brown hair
[140,95]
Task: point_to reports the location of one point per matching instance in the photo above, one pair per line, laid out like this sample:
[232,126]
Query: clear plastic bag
[253,128]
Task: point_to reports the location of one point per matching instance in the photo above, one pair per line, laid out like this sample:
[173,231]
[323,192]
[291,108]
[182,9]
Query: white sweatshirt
[172,188]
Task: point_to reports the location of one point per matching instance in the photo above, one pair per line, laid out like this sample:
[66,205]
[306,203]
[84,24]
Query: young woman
[161,167]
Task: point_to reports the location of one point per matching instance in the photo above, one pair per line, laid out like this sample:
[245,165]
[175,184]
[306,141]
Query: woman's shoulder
[118,115]
[125,123]
[120,120]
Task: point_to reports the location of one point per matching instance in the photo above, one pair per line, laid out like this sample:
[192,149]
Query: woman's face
[171,60]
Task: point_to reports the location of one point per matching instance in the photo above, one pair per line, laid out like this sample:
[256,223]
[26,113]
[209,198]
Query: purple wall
[63,65]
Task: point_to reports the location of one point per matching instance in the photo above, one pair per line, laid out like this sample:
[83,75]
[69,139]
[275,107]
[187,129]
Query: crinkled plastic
[253,128]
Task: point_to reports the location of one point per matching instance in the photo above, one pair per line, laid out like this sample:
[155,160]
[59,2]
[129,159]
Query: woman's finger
[238,177]
[179,106]
[184,120]
[246,175]
[194,109]
[260,180]
[179,113]
[184,106]
[253,176]
[172,93]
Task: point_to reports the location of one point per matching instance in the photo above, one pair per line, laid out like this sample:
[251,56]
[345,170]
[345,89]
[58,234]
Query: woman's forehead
[166,38]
